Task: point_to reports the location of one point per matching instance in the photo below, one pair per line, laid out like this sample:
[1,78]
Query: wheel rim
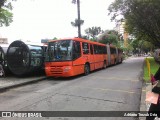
[86,69]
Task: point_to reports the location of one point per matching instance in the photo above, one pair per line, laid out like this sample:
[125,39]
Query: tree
[93,32]
[85,37]
[141,46]
[78,21]
[5,15]
[55,38]
[110,37]
[141,17]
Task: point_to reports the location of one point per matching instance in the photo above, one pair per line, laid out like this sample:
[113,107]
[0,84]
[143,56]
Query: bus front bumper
[65,71]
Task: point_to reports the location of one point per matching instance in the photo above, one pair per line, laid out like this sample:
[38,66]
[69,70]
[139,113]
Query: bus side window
[100,49]
[95,49]
[113,51]
[91,49]
[76,49]
[104,50]
[85,48]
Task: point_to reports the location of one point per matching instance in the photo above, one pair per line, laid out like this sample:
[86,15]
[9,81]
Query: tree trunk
[79,25]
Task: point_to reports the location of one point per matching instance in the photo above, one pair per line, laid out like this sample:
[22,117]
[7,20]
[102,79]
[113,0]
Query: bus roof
[81,40]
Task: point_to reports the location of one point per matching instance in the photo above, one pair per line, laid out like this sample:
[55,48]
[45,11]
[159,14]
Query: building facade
[120,28]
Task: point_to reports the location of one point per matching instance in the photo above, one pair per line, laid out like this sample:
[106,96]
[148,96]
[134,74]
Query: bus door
[92,59]
[109,55]
[77,58]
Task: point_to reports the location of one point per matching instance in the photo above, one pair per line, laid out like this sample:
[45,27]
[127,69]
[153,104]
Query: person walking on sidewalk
[155,108]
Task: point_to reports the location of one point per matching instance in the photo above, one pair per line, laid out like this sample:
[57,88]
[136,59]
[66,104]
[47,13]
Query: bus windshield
[60,50]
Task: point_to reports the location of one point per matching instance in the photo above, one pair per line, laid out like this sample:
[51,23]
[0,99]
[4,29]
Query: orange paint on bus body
[70,57]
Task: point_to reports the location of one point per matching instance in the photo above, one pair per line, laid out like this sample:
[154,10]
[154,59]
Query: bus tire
[104,65]
[121,60]
[86,69]
[115,61]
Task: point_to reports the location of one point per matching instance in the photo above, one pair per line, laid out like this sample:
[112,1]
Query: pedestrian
[2,73]
[155,108]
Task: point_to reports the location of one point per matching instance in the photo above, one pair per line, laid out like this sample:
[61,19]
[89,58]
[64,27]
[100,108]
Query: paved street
[117,88]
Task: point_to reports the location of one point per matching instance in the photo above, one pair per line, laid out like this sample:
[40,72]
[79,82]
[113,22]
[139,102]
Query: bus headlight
[47,68]
[66,69]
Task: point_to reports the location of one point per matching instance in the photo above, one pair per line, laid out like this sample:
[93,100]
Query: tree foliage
[141,17]
[141,46]
[77,22]
[93,32]
[5,12]
[55,38]
[110,37]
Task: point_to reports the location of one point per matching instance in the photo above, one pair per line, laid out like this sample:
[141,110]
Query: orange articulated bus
[70,57]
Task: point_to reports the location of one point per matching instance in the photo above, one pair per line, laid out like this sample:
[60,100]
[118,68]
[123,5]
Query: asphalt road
[117,88]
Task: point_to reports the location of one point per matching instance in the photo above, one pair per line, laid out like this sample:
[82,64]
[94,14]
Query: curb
[143,93]
[142,102]
[5,88]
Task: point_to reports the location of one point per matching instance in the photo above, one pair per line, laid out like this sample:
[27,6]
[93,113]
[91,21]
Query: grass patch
[153,66]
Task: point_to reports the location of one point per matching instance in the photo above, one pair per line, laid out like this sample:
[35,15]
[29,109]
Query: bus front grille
[56,70]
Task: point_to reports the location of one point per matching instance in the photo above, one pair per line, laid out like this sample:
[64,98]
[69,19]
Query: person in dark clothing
[157,75]
[155,108]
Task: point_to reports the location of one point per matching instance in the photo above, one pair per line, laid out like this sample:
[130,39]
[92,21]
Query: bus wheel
[104,65]
[121,60]
[115,61]
[86,69]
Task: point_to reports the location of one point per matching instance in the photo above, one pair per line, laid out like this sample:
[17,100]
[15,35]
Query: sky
[34,20]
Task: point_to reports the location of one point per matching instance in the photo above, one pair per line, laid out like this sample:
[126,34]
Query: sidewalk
[143,105]
[12,81]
